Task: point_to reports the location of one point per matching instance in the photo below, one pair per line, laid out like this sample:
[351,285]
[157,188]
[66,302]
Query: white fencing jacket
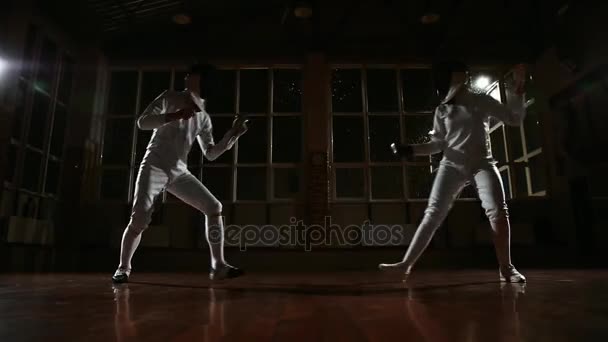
[461,130]
[171,141]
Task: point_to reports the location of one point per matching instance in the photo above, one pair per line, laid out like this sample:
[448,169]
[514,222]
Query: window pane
[31,170]
[195,155]
[383,131]
[287,91]
[221,97]
[47,67]
[221,125]
[29,63]
[382,90]
[11,167]
[65,82]
[419,181]
[123,93]
[19,110]
[251,183]
[504,174]
[153,83]
[538,173]
[219,181]
[59,128]
[38,120]
[350,183]
[115,184]
[253,145]
[532,129]
[143,139]
[117,141]
[531,89]
[417,128]
[498,145]
[287,139]
[495,94]
[348,138]
[346,90]
[387,182]
[52,177]
[516,148]
[286,182]
[521,183]
[418,90]
[254,91]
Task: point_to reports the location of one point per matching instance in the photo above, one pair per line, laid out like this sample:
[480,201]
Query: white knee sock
[214,232]
[501,233]
[130,240]
[422,238]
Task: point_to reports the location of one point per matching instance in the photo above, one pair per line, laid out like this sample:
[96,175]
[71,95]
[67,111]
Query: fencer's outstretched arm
[210,149]
[437,143]
[512,113]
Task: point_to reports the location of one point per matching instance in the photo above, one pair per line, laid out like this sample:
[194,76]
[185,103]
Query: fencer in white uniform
[461,132]
[178,118]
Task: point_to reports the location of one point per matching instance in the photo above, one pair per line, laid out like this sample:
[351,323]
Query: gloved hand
[404,151]
[239,125]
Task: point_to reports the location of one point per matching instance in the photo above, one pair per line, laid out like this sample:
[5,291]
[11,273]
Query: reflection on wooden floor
[365,306]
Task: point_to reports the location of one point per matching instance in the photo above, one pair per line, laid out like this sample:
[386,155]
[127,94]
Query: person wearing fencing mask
[461,132]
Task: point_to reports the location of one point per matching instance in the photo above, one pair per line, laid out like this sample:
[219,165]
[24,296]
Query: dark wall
[36,216]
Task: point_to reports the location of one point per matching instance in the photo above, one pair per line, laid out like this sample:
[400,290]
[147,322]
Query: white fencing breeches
[151,180]
[448,184]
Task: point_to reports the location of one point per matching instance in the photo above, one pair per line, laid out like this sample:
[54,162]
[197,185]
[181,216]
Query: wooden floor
[365,306]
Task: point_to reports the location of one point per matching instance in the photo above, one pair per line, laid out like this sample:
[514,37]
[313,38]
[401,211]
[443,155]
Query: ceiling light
[430,18]
[482,82]
[303,10]
[3,65]
[182,19]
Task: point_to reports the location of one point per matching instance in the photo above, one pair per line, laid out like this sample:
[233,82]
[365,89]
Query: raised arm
[155,116]
[210,149]
[514,112]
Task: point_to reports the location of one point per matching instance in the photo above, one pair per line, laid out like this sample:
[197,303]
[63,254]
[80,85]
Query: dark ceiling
[487,29]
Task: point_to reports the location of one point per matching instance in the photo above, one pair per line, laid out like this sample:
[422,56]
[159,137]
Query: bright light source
[482,82]
[3,66]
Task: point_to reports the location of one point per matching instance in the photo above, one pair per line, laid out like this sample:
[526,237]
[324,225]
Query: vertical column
[317,118]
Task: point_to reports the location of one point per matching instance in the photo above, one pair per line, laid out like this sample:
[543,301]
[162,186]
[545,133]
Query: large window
[264,165]
[36,148]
